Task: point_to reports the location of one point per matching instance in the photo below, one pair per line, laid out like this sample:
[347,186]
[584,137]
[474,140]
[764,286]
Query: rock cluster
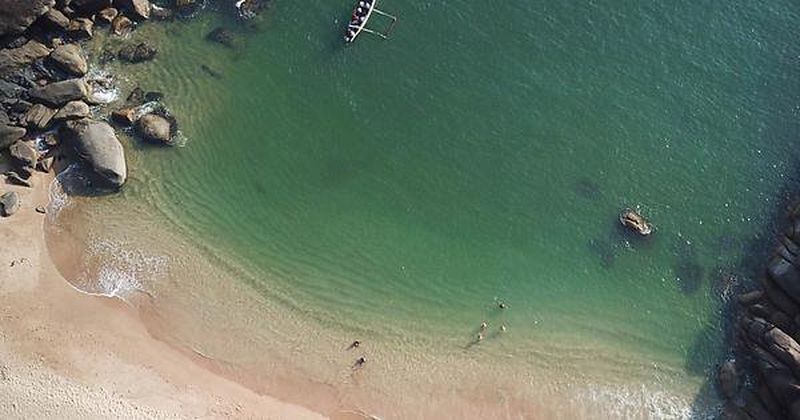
[767,336]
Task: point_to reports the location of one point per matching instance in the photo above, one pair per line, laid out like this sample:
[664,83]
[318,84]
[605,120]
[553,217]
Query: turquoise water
[399,189]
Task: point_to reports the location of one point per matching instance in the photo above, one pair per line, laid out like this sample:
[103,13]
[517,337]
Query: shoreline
[86,354]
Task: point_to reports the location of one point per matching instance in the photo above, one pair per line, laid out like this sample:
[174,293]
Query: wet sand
[66,354]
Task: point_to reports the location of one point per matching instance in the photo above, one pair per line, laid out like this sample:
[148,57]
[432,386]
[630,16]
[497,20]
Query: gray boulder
[9,203]
[96,144]
[17,15]
[39,117]
[24,153]
[137,53]
[154,128]
[73,110]
[12,59]
[59,93]
[786,276]
[69,57]
[10,134]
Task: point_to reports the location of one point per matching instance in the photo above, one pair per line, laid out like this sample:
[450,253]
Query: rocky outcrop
[9,203]
[121,26]
[137,53]
[58,94]
[12,59]
[72,111]
[69,57]
[17,15]
[769,327]
[96,144]
[155,128]
[635,222]
[106,15]
[55,20]
[81,28]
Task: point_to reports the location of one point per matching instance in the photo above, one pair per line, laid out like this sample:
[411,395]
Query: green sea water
[398,190]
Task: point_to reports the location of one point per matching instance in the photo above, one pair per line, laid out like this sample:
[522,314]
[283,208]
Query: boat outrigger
[358,21]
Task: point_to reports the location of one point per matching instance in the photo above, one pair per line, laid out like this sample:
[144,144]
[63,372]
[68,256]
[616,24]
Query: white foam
[631,402]
[104,89]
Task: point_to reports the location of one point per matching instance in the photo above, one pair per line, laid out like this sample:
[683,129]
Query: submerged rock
[9,203]
[69,57]
[636,222]
[138,53]
[97,145]
[222,36]
[728,379]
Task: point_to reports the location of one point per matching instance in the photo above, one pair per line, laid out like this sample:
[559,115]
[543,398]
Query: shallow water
[397,191]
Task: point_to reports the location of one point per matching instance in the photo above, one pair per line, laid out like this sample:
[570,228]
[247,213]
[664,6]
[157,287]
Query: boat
[358,21]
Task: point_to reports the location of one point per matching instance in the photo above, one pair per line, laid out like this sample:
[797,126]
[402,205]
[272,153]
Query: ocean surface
[397,191]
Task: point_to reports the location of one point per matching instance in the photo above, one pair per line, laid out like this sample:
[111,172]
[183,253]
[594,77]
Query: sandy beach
[68,355]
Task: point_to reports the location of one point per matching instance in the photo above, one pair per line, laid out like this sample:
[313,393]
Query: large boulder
[9,203]
[39,117]
[106,15]
[154,128]
[96,144]
[59,93]
[137,53]
[12,59]
[10,134]
[72,111]
[138,9]
[17,15]
[786,276]
[24,153]
[69,57]
[81,28]
[55,20]
[728,379]
[121,26]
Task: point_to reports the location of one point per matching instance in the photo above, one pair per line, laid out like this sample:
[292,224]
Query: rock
[9,203]
[636,222]
[728,379]
[55,20]
[248,9]
[41,210]
[17,15]
[161,13]
[39,117]
[69,57]
[750,298]
[154,128]
[138,9]
[153,96]
[97,145]
[12,59]
[106,15]
[44,165]
[81,28]
[14,179]
[222,36]
[24,172]
[89,7]
[136,97]
[24,153]
[59,93]
[73,110]
[121,26]
[187,7]
[9,135]
[124,117]
[138,53]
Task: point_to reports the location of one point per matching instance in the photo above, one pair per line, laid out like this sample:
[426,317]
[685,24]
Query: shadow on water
[716,343]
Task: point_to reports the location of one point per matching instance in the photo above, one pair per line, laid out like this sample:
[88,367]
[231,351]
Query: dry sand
[64,354]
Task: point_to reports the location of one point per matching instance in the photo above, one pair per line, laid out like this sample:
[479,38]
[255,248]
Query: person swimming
[484,326]
[360,362]
[355,345]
